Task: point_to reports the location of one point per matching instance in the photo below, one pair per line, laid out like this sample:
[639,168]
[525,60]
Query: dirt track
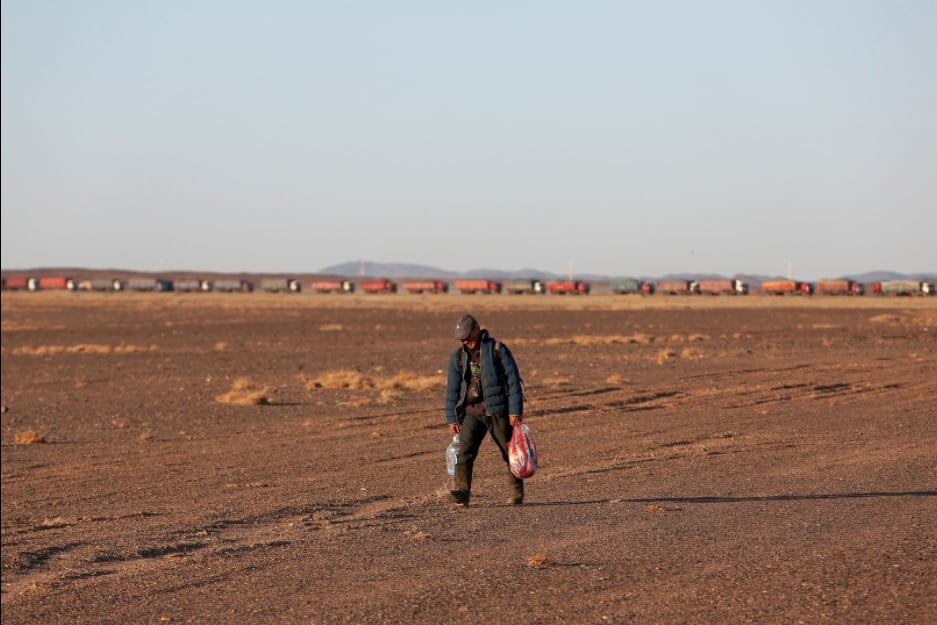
[703,460]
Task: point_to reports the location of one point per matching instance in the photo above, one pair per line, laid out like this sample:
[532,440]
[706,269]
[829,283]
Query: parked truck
[723,286]
[101,284]
[478,286]
[425,286]
[903,287]
[786,287]
[521,287]
[332,286]
[839,286]
[379,285]
[234,286]
[631,286]
[150,284]
[50,283]
[192,284]
[280,285]
[15,284]
[677,287]
[568,287]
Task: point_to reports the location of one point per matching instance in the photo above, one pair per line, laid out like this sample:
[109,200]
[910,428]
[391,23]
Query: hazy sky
[611,137]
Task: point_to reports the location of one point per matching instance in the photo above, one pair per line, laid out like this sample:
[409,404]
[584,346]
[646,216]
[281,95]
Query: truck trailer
[192,284]
[839,286]
[233,286]
[677,287]
[570,287]
[101,284]
[784,287]
[425,286]
[150,284]
[332,286]
[379,285]
[723,287]
[51,283]
[903,287]
[631,286]
[478,286]
[280,285]
[521,287]
[15,284]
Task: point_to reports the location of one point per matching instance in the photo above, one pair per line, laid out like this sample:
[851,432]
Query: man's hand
[516,420]
[454,428]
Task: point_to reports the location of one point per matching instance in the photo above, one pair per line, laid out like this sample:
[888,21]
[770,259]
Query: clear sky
[614,137]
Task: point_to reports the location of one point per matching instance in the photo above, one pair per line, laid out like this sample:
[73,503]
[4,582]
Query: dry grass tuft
[56,522]
[331,327]
[243,393]
[341,378]
[538,560]
[557,380]
[146,436]
[29,437]
[83,348]
[665,355]
[691,353]
[613,339]
[390,386]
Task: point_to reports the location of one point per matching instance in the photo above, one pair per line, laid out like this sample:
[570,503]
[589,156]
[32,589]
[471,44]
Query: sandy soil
[702,460]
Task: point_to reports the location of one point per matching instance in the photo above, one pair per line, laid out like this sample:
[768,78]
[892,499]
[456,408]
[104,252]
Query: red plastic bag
[522,453]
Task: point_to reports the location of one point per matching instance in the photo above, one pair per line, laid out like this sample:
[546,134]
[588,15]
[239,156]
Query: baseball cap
[464,326]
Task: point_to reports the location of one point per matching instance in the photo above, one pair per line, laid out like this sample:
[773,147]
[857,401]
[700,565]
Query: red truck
[332,286]
[781,287]
[839,286]
[573,287]
[14,284]
[722,286]
[425,286]
[56,282]
[379,285]
[478,286]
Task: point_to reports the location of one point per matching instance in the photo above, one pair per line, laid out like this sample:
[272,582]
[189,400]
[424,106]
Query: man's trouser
[471,435]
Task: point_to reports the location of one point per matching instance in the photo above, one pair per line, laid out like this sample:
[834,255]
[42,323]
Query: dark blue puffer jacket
[504,394]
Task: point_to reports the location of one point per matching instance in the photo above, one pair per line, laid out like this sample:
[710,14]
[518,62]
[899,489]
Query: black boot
[462,485]
[517,489]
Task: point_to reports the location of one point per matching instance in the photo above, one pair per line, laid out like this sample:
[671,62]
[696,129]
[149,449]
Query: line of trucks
[626,286]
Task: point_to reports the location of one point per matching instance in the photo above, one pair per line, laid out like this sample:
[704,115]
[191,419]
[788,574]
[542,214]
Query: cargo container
[425,286]
[277,285]
[51,283]
[782,287]
[630,286]
[14,284]
[478,286]
[101,284]
[192,284]
[723,286]
[379,285]
[520,287]
[839,286]
[332,286]
[903,287]
[676,287]
[232,286]
[150,284]
[571,287]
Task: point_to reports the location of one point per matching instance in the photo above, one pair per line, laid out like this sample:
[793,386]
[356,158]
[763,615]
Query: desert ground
[262,458]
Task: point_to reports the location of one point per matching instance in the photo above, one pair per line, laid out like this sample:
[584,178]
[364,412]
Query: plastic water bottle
[452,451]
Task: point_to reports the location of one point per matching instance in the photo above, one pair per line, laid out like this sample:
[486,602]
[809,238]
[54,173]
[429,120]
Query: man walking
[484,394]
